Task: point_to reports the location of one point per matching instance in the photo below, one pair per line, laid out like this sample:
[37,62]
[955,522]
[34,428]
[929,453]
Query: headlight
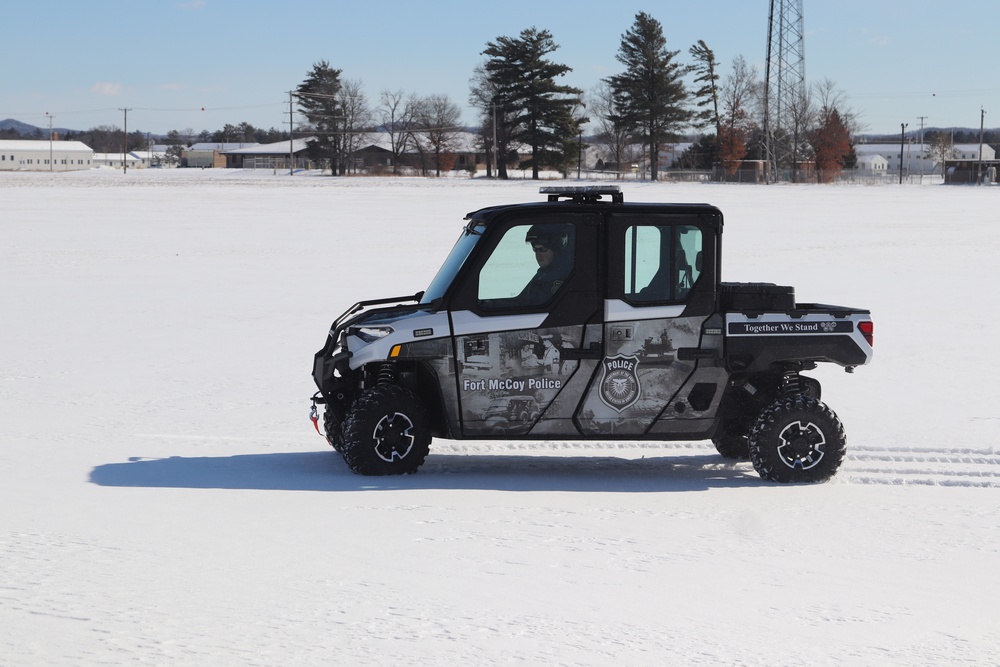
[370,334]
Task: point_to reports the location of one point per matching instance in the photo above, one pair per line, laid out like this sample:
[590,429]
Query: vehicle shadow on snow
[326,471]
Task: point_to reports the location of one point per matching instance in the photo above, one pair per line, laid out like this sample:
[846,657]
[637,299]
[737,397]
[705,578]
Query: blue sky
[199,64]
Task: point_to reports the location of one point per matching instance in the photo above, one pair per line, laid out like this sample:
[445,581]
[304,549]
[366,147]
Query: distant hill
[26,130]
[17,126]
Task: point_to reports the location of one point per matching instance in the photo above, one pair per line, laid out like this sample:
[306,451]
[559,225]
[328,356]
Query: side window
[528,266]
[662,262]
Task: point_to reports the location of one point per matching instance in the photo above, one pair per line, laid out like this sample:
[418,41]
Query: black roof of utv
[592,197]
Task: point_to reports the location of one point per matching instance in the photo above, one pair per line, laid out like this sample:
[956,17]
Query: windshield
[456,258]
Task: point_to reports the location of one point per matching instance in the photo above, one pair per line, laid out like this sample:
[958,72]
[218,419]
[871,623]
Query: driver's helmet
[552,236]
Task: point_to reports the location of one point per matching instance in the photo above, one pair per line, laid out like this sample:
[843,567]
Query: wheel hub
[802,445]
[392,437]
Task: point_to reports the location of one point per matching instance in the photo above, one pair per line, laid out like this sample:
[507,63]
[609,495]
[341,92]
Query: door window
[528,267]
[662,262]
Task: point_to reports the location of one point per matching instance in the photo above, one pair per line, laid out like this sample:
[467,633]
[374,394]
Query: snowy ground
[164,500]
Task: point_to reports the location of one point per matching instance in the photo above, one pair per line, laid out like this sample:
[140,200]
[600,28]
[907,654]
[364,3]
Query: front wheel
[386,432]
[333,429]
[797,439]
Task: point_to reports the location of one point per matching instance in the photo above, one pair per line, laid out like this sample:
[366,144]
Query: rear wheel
[731,446]
[386,432]
[797,439]
[739,409]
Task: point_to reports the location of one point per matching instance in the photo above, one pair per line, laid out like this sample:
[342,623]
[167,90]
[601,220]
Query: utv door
[658,374]
[527,321]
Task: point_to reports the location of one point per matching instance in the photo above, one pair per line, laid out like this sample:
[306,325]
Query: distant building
[44,155]
[268,156]
[117,160]
[464,152]
[872,163]
[964,171]
[210,154]
[916,157]
[154,156]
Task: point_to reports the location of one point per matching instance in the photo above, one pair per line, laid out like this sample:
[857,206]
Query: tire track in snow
[865,464]
[931,466]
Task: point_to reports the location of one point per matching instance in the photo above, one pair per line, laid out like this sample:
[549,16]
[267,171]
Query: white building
[872,163]
[156,157]
[115,160]
[44,155]
[916,158]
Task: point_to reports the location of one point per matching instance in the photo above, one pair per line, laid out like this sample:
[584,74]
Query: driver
[553,250]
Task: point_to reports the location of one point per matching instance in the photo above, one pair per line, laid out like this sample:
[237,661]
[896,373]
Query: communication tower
[784,81]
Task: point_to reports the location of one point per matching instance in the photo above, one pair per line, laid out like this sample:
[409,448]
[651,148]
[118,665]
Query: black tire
[797,439]
[386,432]
[333,429]
[736,447]
[738,412]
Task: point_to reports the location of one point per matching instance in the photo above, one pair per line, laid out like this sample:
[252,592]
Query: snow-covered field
[165,501]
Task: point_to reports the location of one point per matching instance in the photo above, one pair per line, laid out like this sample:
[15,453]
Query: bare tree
[739,92]
[940,149]
[613,136]
[103,138]
[802,118]
[498,123]
[357,117]
[828,113]
[830,97]
[397,115]
[439,128]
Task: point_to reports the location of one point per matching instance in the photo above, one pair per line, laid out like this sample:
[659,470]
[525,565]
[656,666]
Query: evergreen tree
[707,95]
[318,102]
[699,155]
[538,111]
[650,89]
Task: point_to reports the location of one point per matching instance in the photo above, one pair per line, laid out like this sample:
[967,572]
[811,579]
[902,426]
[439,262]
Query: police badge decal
[620,385]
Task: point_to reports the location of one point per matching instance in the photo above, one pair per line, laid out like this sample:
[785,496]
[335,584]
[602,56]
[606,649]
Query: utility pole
[922,151]
[50,139]
[291,130]
[579,158]
[125,142]
[982,118]
[902,142]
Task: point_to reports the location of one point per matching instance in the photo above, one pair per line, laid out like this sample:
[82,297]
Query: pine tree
[317,97]
[650,89]
[519,87]
[707,95]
